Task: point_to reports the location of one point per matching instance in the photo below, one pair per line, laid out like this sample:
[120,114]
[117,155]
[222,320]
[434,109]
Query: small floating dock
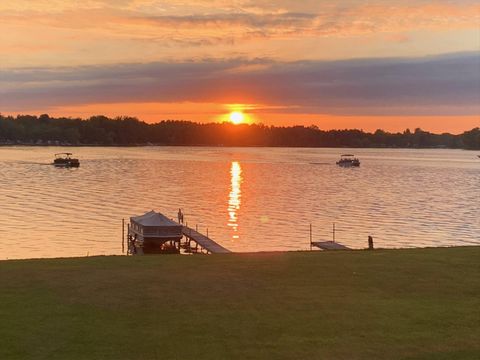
[202,241]
[329,245]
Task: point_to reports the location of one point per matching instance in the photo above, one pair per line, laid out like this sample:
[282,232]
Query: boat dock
[155,233]
[329,245]
[204,242]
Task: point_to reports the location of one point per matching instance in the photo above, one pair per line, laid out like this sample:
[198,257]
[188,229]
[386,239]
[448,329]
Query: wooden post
[128,239]
[370,242]
[333,232]
[310,236]
[123,236]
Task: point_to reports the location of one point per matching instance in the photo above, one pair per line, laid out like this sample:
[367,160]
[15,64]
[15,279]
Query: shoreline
[235,146]
[247,253]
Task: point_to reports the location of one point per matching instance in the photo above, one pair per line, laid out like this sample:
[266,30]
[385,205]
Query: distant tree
[72,136]
[471,139]
[102,130]
[44,118]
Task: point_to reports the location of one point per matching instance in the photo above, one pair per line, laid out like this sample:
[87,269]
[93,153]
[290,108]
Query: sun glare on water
[237,117]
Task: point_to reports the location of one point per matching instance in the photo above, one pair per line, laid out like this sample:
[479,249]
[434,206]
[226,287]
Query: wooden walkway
[329,245]
[204,241]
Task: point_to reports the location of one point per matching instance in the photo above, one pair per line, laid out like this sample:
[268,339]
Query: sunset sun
[237,117]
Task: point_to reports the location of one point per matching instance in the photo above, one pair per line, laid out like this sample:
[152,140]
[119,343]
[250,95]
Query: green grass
[385,304]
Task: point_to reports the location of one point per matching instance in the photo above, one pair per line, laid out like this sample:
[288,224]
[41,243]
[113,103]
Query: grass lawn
[385,304]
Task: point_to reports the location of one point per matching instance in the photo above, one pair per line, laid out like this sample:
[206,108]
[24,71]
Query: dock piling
[310,236]
[370,242]
[123,236]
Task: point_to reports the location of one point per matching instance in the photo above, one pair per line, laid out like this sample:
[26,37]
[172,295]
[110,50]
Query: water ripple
[249,199]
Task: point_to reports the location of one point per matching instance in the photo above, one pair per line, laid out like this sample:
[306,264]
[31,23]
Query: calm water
[249,199]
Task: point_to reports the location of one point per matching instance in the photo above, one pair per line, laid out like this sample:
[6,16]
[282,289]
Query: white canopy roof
[153,218]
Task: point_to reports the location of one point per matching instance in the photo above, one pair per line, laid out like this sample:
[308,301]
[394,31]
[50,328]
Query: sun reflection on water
[234,198]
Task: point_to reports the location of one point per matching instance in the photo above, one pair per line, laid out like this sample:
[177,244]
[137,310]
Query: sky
[335,64]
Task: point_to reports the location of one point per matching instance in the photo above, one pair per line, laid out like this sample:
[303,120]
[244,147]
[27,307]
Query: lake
[250,199]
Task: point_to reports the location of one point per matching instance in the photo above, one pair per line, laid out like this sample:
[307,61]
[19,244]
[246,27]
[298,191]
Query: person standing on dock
[180,216]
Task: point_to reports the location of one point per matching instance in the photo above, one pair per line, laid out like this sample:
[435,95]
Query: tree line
[128,131]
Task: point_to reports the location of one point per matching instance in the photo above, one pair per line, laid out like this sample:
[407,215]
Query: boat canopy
[153,218]
[68,154]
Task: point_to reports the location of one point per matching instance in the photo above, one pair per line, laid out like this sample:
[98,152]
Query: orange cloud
[210,28]
[108,31]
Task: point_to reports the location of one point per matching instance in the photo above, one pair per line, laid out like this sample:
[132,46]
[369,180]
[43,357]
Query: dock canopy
[153,225]
[153,218]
